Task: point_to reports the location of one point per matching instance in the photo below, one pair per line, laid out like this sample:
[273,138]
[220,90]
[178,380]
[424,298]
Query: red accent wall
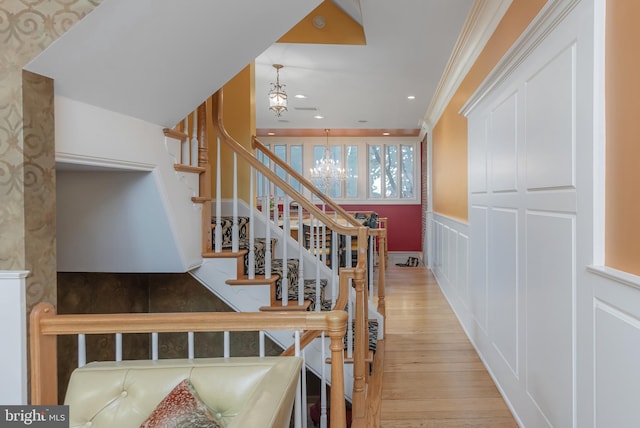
[405,224]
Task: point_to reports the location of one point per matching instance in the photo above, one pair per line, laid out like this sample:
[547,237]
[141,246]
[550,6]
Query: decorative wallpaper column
[27,150]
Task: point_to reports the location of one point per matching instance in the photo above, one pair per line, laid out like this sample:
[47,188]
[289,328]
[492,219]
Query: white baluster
[184,145]
[190,345]
[218,229]
[234,228]
[227,352]
[252,253]
[267,254]
[154,346]
[82,350]
[285,271]
[118,346]
[261,343]
[193,155]
[300,257]
[318,231]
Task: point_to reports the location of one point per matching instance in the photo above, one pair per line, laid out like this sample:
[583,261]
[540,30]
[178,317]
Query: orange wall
[450,133]
[622,230]
[238,112]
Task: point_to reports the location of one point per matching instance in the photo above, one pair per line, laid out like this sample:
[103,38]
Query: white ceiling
[409,43]
[158,60]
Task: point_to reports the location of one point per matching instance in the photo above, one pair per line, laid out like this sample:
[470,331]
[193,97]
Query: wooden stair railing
[359,272]
[199,131]
[380,233]
[194,158]
[46,325]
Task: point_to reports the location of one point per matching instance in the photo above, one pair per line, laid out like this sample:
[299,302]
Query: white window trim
[363,144]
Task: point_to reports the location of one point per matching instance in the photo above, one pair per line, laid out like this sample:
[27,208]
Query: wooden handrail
[359,272]
[46,325]
[255,163]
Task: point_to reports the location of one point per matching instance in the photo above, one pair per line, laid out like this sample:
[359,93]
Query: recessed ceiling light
[363,121]
[411,97]
[317,116]
[271,133]
[319,22]
[386,133]
[300,96]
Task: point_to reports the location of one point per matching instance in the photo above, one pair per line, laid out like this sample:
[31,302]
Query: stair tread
[224,254]
[257,280]
[277,306]
[174,133]
[200,199]
[188,168]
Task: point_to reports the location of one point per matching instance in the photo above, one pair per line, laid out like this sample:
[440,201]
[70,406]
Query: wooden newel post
[337,321]
[360,340]
[382,264]
[205,178]
[203,149]
[43,351]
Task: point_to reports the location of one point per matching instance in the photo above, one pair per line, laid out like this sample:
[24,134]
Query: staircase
[253,263]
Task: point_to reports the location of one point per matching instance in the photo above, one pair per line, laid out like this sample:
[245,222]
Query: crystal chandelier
[327,171]
[277,94]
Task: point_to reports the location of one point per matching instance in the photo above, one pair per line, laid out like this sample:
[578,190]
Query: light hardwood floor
[432,374]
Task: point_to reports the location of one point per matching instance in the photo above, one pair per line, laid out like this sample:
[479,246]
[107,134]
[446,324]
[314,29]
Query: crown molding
[552,13]
[350,132]
[484,17]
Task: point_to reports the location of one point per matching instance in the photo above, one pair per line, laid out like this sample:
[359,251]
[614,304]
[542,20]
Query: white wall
[113,222]
[560,336]
[142,190]
[13,353]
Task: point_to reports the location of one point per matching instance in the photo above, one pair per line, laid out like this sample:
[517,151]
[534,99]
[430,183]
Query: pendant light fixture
[277,94]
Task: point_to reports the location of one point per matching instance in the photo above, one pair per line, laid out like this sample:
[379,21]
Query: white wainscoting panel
[528,219]
[550,124]
[617,375]
[503,148]
[463,268]
[453,274]
[503,285]
[550,283]
[478,264]
[452,256]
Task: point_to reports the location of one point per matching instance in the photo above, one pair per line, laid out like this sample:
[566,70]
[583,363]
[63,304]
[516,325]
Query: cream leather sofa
[242,392]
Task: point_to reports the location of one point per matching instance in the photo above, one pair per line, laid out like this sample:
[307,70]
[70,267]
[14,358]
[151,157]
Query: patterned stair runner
[259,248]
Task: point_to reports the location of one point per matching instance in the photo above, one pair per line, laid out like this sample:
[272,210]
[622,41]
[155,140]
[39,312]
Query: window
[292,154]
[396,179]
[351,166]
[379,170]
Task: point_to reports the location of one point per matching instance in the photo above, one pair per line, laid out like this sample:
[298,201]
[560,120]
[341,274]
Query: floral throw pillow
[182,408]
